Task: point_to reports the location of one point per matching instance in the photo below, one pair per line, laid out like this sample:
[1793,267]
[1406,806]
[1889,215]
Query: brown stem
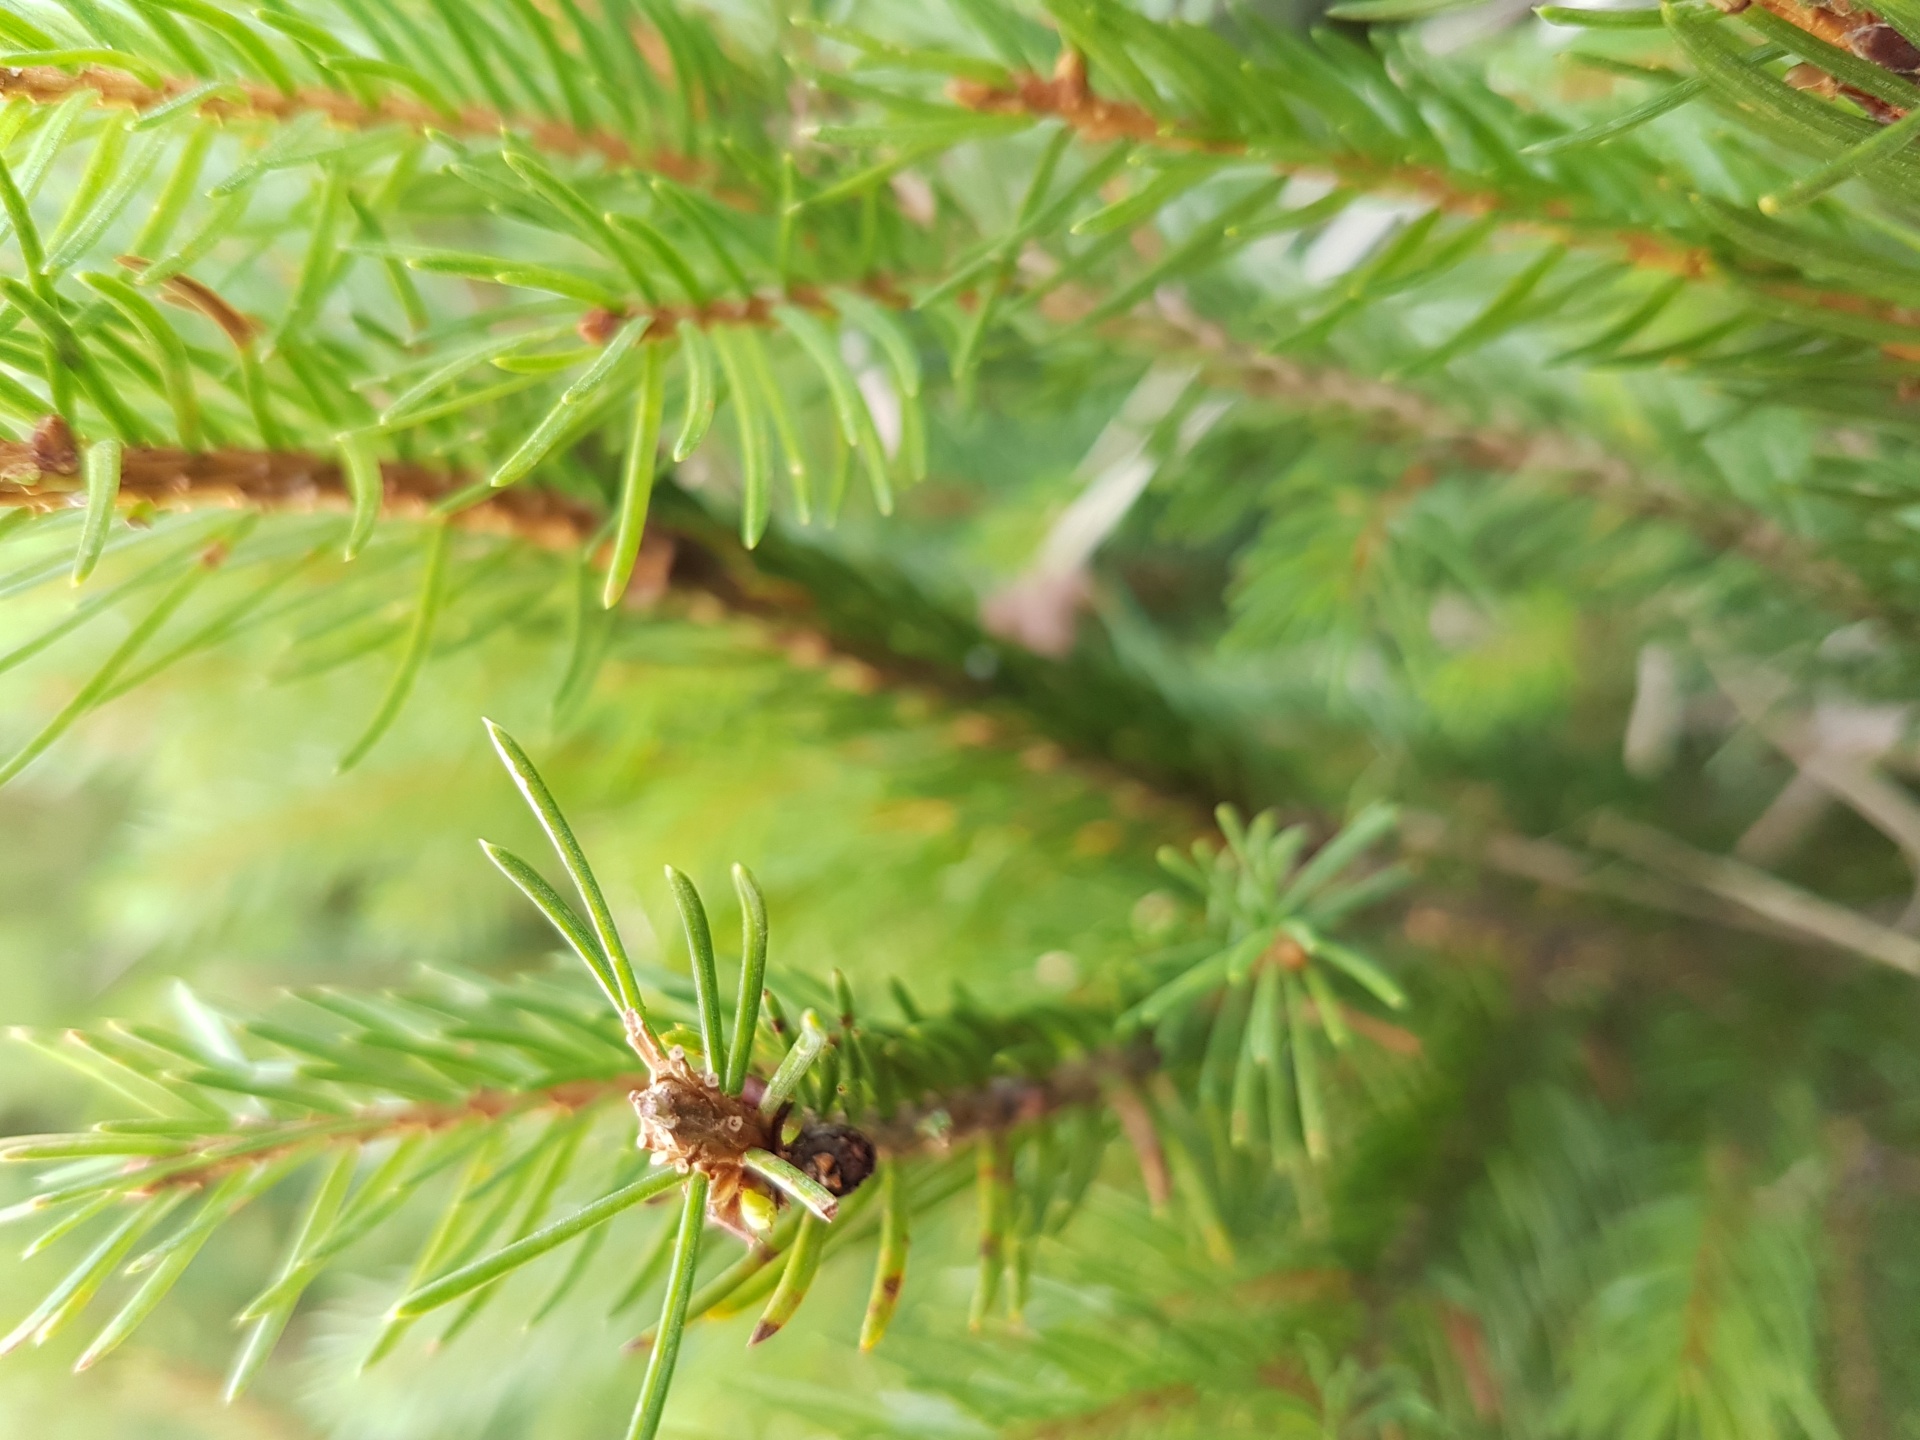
[163,478]
[1467,1341]
[371,1125]
[1137,1123]
[936,1122]
[1007,1102]
[247,101]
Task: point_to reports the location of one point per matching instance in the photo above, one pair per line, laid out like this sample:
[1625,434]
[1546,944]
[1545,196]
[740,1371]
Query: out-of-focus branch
[1837,752]
[1573,463]
[1668,875]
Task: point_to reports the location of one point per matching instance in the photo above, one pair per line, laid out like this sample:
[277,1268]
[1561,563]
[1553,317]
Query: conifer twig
[168,478]
[165,478]
[1066,95]
[239,100]
[1402,414]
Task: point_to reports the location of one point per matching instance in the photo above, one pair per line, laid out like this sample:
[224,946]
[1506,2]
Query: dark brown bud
[1885,47]
[838,1156]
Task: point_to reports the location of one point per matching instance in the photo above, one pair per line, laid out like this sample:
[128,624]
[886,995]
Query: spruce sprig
[503,1085]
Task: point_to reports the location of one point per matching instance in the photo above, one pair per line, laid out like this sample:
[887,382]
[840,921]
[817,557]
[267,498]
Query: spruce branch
[1067,96]
[387,1079]
[1400,413]
[376,253]
[453,1074]
[1351,117]
[1394,413]
[1070,91]
[702,559]
[811,603]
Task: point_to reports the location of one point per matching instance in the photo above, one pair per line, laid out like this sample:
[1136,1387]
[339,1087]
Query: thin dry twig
[1849,776]
[1668,875]
[1137,1124]
[1758,892]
